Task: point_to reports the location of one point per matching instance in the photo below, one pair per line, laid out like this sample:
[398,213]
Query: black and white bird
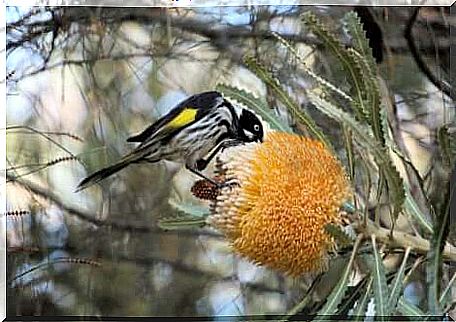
[191,133]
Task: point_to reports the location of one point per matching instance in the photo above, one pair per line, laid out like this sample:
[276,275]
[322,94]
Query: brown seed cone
[206,190]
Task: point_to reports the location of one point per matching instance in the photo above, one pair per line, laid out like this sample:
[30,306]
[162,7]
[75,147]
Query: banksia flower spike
[277,199]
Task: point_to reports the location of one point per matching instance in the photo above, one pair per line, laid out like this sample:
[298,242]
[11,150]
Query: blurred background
[80,80]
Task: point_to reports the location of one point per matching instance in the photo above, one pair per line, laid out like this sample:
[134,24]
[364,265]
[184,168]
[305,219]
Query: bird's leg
[199,174]
[201,164]
[217,184]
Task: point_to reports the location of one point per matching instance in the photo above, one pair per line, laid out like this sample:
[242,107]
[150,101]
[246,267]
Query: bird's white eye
[256,127]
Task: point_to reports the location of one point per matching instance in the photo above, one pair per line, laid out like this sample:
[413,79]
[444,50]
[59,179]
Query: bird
[201,124]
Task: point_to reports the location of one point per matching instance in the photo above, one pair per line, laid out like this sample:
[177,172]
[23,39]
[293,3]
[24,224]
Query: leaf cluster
[370,146]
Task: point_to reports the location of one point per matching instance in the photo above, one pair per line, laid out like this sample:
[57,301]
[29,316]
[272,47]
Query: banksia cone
[206,190]
[277,199]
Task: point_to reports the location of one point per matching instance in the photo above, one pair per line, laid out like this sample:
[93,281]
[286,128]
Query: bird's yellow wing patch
[186,116]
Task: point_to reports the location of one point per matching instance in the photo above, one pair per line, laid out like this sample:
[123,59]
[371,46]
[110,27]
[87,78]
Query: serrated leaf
[360,308]
[325,84]
[181,222]
[410,205]
[447,144]
[414,211]
[255,104]
[444,297]
[339,290]
[352,297]
[374,106]
[434,257]
[188,209]
[342,239]
[397,284]
[363,136]
[283,96]
[350,65]
[366,168]
[303,303]
[408,309]
[355,28]
[348,143]
[379,284]
[362,53]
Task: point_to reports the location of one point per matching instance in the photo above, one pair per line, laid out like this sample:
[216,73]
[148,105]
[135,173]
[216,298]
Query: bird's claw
[232,184]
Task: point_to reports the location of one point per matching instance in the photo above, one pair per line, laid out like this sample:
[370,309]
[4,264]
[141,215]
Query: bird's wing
[184,114]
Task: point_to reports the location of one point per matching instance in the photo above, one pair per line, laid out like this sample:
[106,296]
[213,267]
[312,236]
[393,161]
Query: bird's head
[250,127]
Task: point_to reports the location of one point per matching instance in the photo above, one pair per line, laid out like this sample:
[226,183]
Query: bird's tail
[102,174]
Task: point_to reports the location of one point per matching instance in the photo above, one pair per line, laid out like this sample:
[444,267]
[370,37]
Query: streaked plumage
[200,124]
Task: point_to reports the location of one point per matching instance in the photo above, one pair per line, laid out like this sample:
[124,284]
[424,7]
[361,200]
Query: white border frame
[3,163]
[135,3]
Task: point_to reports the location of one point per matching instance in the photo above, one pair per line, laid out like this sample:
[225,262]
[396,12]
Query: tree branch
[408,34]
[195,271]
[87,217]
[404,240]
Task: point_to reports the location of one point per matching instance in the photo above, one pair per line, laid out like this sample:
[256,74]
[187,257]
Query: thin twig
[223,38]
[55,261]
[87,217]
[408,34]
[403,240]
[47,137]
[193,270]
[72,136]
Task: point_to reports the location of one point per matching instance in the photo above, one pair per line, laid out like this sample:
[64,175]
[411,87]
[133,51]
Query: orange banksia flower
[277,198]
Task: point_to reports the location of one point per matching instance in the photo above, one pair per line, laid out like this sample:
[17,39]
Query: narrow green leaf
[347,61]
[360,308]
[339,290]
[283,96]
[327,85]
[343,240]
[366,168]
[188,209]
[353,295]
[379,285]
[414,211]
[255,104]
[375,109]
[363,136]
[381,184]
[355,28]
[362,53]
[446,144]
[304,302]
[184,222]
[397,284]
[361,133]
[410,205]
[444,296]
[408,309]
[348,140]
[434,258]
